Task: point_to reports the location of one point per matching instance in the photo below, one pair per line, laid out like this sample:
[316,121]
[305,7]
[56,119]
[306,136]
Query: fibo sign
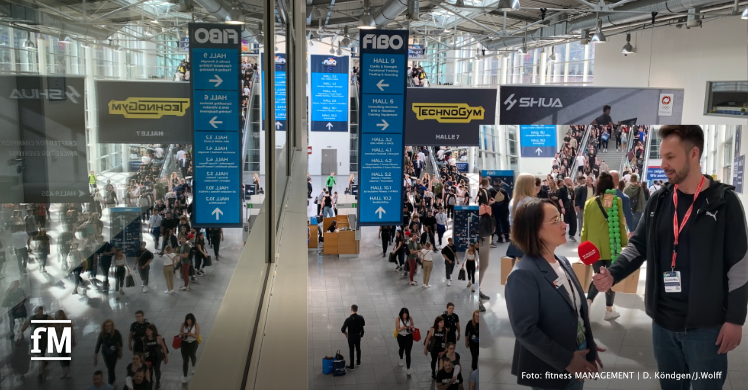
[55,344]
[215,35]
[382,42]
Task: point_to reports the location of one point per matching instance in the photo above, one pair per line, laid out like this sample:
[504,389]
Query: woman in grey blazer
[546,304]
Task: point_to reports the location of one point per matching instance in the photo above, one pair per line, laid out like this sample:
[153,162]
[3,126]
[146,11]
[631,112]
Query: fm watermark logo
[49,94]
[55,343]
[527,102]
[448,112]
[149,108]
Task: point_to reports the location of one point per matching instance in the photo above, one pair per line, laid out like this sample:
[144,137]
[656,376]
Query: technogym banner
[42,140]
[448,116]
[144,112]
[542,105]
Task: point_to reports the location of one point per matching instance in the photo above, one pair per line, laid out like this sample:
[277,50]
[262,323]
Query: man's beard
[682,175]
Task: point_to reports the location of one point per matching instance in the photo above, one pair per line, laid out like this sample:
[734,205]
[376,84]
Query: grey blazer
[544,322]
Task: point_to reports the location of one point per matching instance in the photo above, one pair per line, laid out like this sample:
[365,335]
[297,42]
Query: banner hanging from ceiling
[144,112]
[448,116]
[544,105]
[329,99]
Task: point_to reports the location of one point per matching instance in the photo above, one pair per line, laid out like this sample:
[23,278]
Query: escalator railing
[582,147]
[246,131]
[433,163]
[630,144]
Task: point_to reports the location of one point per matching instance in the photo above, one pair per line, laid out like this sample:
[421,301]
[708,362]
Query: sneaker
[472,289]
[481,307]
[167,292]
[409,372]
[145,289]
[397,268]
[470,284]
[358,363]
[400,363]
[187,288]
[351,367]
[449,282]
[611,315]
[572,239]
[122,291]
[183,288]
[484,296]
[428,286]
[184,379]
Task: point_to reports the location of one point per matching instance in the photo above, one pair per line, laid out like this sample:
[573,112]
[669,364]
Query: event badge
[672,282]
[608,201]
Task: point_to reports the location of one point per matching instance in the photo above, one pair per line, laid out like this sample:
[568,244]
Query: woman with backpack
[451,201]
[155,351]
[472,340]
[111,197]
[110,344]
[435,343]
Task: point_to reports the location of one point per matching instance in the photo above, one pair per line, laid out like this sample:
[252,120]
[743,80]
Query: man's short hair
[354,308]
[634,177]
[140,312]
[606,108]
[450,304]
[98,373]
[691,136]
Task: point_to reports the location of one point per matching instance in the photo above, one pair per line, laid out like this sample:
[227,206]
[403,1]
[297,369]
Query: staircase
[612,158]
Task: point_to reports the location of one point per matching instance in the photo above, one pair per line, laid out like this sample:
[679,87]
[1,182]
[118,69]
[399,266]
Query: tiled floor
[370,281]
[628,339]
[88,311]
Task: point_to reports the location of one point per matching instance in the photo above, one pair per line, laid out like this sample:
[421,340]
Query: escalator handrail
[167,161]
[247,121]
[629,145]
[433,163]
[582,147]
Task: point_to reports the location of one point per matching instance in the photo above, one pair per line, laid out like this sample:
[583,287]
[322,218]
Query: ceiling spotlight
[339,51]
[585,37]
[552,57]
[29,44]
[522,50]
[345,42]
[119,48]
[66,40]
[508,5]
[627,48]
[367,21]
[235,16]
[744,15]
[332,50]
[260,39]
[598,37]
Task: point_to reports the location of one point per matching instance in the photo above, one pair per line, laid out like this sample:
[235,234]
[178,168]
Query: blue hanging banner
[215,51]
[538,140]
[329,79]
[383,78]
[280,92]
[125,229]
[465,226]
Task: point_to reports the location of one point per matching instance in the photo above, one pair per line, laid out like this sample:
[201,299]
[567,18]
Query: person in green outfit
[330,182]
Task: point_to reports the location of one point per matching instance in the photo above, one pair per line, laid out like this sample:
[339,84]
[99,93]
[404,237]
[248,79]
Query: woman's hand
[425,351]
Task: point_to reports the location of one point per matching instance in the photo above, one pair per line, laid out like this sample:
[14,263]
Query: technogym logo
[54,344]
[149,108]
[448,112]
[527,102]
[49,94]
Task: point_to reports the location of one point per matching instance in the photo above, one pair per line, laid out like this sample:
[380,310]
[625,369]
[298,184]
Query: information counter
[341,243]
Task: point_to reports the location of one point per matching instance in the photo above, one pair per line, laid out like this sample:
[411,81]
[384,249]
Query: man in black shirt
[406,216]
[604,119]
[452,323]
[353,328]
[137,331]
[166,224]
[449,252]
[696,285]
[566,195]
[143,264]
[105,252]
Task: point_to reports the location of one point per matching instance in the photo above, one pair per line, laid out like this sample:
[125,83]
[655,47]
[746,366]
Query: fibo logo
[382,42]
[63,344]
[216,35]
[531,102]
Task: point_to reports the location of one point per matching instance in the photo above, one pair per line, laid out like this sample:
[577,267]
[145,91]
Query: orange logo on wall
[666,100]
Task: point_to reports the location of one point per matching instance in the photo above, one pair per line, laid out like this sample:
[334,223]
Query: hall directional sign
[383,65]
[329,98]
[538,140]
[215,51]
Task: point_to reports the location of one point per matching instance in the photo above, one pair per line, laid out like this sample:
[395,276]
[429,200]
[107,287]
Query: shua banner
[144,112]
[43,140]
[329,83]
[448,116]
[530,105]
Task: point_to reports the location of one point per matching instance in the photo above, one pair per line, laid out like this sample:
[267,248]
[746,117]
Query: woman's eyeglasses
[556,221]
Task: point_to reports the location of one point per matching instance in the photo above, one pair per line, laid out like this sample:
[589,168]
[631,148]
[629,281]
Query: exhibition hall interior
[458,164]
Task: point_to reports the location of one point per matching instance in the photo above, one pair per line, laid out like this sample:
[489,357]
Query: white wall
[319,140]
[678,58]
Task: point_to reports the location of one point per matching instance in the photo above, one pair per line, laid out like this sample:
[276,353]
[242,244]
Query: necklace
[614,231]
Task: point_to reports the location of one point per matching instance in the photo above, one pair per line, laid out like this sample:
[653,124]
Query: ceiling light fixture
[29,44]
[346,41]
[367,21]
[552,57]
[598,37]
[744,15]
[339,51]
[508,5]
[585,37]
[627,48]
[235,16]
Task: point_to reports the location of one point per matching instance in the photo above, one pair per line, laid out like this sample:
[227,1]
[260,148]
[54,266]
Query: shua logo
[55,344]
[527,102]
[713,215]
[49,94]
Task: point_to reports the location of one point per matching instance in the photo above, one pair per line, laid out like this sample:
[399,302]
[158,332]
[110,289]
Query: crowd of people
[554,343]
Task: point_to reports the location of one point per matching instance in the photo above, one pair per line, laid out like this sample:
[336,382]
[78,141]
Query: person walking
[138,363]
[626,203]
[596,230]
[426,255]
[413,247]
[155,351]
[154,225]
[404,326]
[190,333]
[185,262]
[110,344]
[566,196]
[201,253]
[695,268]
[21,243]
[330,182]
[384,235]
[216,241]
[452,323]
[472,339]
[449,377]
[436,341]
[449,252]
[327,206]
[582,194]
[441,224]
[60,328]
[170,260]
[398,249]
[470,256]
[637,197]
[137,331]
[15,302]
[353,328]
[143,265]
[39,315]
[120,268]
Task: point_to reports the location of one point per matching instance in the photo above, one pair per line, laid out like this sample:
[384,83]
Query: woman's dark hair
[437,321]
[538,182]
[403,311]
[190,317]
[527,223]
[605,183]
[153,330]
[621,185]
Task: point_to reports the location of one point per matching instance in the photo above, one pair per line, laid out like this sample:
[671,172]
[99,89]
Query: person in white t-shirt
[656,185]
[21,242]
[180,154]
[580,160]
[159,153]
[169,260]
[145,160]
[427,257]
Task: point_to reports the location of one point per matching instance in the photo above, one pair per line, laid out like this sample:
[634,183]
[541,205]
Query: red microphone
[588,253]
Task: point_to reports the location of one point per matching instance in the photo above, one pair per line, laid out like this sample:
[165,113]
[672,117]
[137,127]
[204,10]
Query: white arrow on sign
[539,151]
[380,211]
[380,85]
[217,212]
[278,125]
[213,122]
[384,125]
[328,125]
[81,193]
[216,80]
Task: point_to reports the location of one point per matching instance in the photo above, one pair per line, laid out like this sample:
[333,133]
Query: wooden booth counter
[341,243]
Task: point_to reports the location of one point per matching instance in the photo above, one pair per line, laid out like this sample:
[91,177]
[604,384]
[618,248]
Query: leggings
[618,143]
[474,354]
[156,365]
[401,257]
[450,211]
[434,360]
[405,343]
[385,243]
[470,266]
[189,351]
[111,362]
[610,296]
[120,274]
[483,256]
[77,275]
